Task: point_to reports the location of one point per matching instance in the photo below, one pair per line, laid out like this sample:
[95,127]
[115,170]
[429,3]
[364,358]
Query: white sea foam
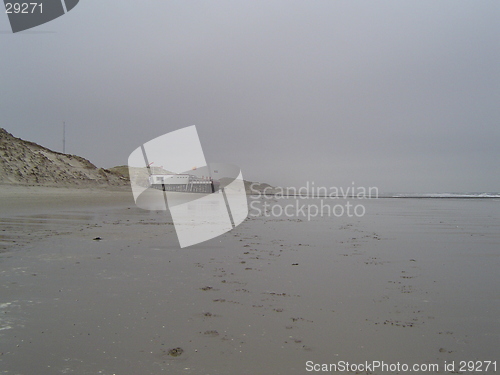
[447,195]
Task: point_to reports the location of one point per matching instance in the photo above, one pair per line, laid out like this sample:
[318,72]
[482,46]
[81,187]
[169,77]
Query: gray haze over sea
[399,95]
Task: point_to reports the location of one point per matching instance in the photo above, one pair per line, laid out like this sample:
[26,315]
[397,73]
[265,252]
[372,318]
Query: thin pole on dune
[64,137]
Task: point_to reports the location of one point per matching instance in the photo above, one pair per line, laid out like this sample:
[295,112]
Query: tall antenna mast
[64,137]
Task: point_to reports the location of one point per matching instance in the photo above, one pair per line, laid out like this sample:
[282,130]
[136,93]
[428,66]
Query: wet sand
[95,285]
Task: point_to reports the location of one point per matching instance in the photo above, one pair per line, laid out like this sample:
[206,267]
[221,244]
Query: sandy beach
[93,285]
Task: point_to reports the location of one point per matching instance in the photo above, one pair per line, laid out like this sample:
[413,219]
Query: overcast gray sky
[402,95]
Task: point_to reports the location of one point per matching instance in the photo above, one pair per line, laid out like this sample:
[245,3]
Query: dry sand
[413,281]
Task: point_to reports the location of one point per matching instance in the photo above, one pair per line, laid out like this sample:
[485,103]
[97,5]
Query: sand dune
[27,163]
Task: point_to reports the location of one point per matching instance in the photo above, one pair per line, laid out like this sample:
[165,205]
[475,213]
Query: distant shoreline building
[185,183]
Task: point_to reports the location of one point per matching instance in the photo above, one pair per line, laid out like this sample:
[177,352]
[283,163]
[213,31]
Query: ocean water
[444,195]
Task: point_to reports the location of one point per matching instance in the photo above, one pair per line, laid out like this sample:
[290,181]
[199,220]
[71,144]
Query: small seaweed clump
[175,352]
